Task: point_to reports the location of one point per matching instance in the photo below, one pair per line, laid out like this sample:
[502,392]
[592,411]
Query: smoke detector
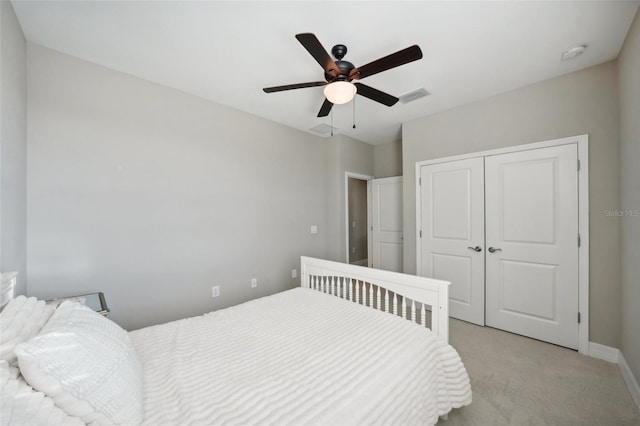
[573,52]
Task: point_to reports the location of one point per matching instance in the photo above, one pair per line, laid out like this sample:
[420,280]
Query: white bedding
[20,404]
[298,357]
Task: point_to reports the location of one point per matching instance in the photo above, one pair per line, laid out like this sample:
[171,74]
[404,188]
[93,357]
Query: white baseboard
[630,380]
[606,353]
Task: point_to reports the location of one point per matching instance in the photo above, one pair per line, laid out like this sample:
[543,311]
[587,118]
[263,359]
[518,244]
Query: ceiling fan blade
[404,56]
[294,86]
[319,53]
[375,94]
[325,109]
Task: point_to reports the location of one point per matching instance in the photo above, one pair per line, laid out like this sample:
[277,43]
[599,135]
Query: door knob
[476,248]
[493,250]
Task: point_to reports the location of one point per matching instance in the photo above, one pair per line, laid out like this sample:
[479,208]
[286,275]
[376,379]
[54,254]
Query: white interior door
[386,224]
[532,243]
[452,236]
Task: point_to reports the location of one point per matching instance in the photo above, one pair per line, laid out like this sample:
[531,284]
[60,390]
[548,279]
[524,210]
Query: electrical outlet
[215,291]
[254,282]
[294,273]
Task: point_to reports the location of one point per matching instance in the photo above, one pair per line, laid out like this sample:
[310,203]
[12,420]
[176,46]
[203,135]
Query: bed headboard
[419,299]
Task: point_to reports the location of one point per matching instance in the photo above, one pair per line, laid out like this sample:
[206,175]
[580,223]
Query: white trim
[359,176]
[603,352]
[418,198]
[583,251]
[582,142]
[630,380]
[613,355]
[369,223]
[506,150]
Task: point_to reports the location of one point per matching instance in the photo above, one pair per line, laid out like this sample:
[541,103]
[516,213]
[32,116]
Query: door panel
[451,204]
[532,223]
[386,218]
[452,218]
[390,257]
[526,218]
[518,281]
[458,270]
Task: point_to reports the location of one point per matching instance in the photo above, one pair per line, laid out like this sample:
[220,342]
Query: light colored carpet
[520,381]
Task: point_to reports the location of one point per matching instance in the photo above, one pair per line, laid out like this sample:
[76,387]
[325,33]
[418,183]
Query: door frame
[582,142]
[367,178]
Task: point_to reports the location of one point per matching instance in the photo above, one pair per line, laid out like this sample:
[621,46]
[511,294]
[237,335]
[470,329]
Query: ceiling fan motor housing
[339,51]
[344,67]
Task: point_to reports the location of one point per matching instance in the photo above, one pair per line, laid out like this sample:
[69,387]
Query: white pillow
[20,320]
[87,364]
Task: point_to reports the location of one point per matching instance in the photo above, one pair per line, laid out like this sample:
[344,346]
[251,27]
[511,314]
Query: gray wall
[153,195]
[388,159]
[629,80]
[344,155]
[577,103]
[13,147]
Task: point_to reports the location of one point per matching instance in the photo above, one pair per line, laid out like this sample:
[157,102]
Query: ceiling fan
[339,74]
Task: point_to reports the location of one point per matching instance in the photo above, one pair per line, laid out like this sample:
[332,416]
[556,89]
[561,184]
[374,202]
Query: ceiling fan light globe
[340,92]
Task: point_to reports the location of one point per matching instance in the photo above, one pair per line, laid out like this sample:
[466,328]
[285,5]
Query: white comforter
[298,357]
[20,404]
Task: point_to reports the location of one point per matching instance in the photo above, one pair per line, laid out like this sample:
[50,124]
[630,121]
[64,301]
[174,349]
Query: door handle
[493,250]
[476,248]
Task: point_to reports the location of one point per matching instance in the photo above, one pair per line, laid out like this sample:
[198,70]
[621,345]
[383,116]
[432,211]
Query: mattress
[298,357]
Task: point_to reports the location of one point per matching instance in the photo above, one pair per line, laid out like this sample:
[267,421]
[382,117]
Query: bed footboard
[419,299]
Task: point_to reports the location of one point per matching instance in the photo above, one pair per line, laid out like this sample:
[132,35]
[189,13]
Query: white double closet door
[504,230]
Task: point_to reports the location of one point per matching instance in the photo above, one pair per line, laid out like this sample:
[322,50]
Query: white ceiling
[227,51]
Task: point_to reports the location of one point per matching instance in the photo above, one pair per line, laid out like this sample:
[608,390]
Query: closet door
[532,243]
[451,238]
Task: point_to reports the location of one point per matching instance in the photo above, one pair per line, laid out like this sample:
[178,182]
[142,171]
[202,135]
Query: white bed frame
[382,290]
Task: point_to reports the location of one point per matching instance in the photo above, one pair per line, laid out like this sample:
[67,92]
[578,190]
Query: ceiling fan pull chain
[331,121]
[354,112]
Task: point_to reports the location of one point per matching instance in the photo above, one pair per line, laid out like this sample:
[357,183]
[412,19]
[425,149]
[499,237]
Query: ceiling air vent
[322,129]
[412,96]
